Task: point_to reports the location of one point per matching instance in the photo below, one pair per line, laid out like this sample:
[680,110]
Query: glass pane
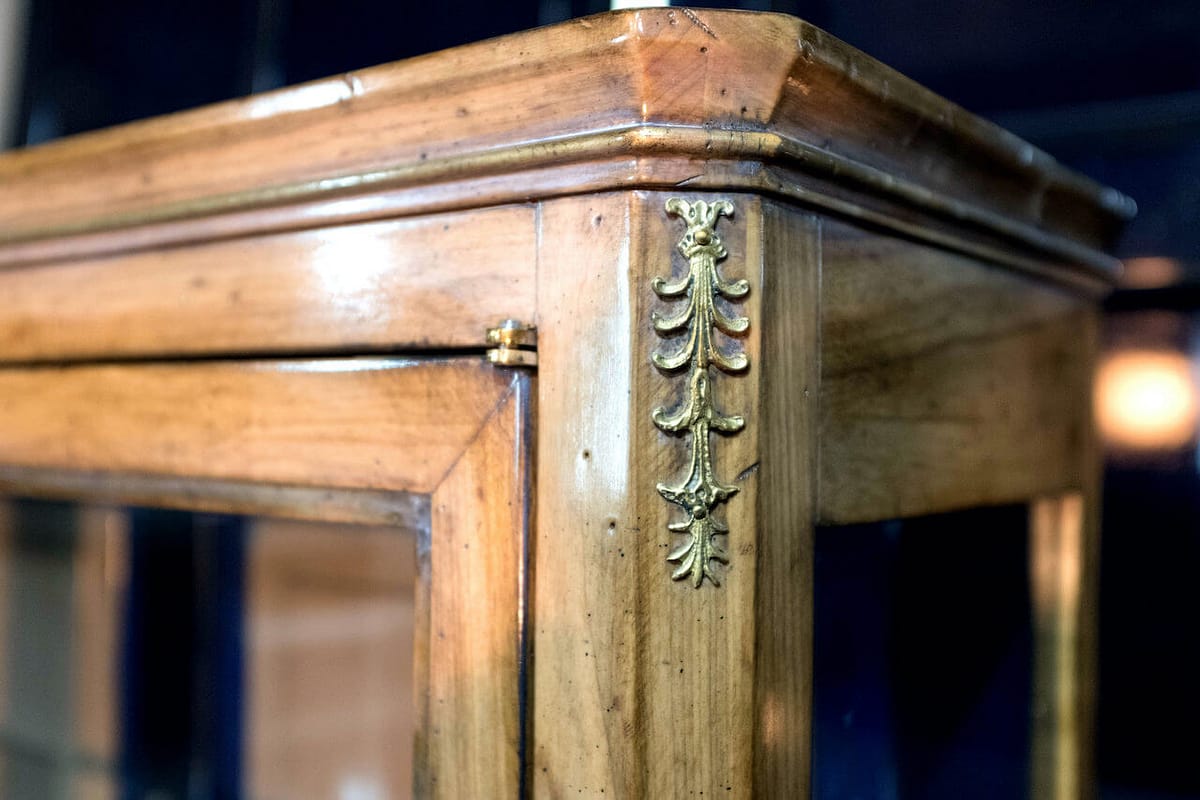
[166,654]
[923,658]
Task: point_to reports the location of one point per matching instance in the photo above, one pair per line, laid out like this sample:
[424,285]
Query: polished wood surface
[934,381]
[788,468]
[312,503]
[784,94]
[683,690]
[472,687]
[592,545]
[385,424]
[431,282]
[280,304]
[228,423]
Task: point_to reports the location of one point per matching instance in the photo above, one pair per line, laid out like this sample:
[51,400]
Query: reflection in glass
[163,654]
[924,658]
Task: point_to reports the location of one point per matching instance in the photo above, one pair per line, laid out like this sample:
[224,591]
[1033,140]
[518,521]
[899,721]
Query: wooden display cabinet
[775,286]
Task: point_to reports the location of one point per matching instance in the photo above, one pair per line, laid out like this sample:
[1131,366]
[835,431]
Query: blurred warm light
[1146,399]
[1150,272]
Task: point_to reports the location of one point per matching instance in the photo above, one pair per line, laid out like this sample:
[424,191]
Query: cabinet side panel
[945,383]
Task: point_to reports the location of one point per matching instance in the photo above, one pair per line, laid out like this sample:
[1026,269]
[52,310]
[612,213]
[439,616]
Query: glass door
[264,580]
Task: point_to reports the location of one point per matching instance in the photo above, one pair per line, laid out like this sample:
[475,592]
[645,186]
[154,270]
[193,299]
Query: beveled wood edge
[468,391]
[1027,498]
[1067,260]
[404,510]
[525,397]
[782,54]
[518,401]
[972,133]
[400,509]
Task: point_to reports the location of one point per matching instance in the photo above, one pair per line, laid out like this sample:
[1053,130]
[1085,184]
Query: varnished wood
[315,504]
[591,549]
[1064,570]
[381,424]
[783,655]
[480,519]
[1056,539]
[921,310]
[433,282]
[825,109]
[682,690]
[330,424]
[934,376]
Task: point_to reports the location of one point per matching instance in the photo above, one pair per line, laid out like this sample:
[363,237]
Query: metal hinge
[515,344]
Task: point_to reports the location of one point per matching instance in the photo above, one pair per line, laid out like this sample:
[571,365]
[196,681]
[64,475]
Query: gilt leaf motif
[699,493]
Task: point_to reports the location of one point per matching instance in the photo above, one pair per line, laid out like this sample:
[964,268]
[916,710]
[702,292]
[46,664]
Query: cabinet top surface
[645,98]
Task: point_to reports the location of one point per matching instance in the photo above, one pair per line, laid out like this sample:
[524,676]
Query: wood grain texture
[1064,570]
[473,668]
[644,686]
[383,424]
[650,157]
[262,434]
[783,669]
[887,378]
[592,544]
[432,282]
[934,382]
[663,78]
[1058,739]
[310,503]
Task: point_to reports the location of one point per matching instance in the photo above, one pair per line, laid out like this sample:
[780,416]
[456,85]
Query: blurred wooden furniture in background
[281,306]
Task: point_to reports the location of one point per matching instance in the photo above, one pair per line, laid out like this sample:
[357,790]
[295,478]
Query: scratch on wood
[353,84]
[699,23]
[746,473]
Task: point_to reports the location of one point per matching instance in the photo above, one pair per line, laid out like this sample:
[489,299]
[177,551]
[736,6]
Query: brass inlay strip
[639,140]
[700,492]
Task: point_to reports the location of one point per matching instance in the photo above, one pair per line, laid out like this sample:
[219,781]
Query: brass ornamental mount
[700,492]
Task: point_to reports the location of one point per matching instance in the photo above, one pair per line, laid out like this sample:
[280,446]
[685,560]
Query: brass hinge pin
[514,344]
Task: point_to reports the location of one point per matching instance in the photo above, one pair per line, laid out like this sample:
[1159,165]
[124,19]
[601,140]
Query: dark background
[1110,87]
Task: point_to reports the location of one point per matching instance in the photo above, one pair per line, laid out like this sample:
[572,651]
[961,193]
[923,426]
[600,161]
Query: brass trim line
[637,140]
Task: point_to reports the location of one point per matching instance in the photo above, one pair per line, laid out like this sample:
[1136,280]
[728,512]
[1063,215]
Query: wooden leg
[1062,580]
[650,679]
